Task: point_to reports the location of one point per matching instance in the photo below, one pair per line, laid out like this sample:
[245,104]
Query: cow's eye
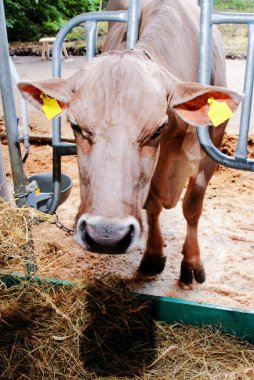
[158,132]
[81,132]
[75,127]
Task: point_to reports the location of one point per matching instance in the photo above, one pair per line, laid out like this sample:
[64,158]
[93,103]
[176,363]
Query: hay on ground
[100,330]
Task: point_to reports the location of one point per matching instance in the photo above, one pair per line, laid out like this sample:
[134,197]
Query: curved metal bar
[207,18]
[120,16]
[218,156]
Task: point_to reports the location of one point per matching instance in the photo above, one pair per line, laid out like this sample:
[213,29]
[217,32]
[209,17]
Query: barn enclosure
[47,276]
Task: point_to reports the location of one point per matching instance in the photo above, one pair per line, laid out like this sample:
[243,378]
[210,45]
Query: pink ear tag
[50,106]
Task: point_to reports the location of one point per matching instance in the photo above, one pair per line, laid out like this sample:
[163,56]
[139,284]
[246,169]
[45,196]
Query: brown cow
[134,114]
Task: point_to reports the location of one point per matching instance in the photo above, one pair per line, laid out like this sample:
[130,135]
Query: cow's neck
[145,52]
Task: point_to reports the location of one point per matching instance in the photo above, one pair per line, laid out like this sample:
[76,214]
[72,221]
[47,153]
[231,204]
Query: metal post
[10,115]
[4,191]
[205,44]
[91,30]
[25,127]
[242,151]
[133,23]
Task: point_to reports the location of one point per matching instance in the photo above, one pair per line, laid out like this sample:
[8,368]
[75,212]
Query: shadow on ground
[119,338]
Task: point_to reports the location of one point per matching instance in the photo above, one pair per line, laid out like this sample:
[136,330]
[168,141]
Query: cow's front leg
[153,261]
[192,265]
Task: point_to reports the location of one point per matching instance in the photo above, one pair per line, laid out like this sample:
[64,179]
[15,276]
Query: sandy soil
[226,234]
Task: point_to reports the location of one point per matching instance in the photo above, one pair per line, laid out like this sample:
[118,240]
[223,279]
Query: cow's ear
[190,101]
[35,92]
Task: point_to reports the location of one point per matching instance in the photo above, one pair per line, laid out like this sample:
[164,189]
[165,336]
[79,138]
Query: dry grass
[14,235]
[16,245]
[100,330]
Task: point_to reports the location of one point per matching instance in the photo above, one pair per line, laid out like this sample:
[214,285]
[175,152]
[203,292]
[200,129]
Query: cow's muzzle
[105,235]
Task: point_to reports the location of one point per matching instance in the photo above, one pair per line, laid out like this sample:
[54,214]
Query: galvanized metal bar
[205,44]
[91,34]
[10,115]
[241,150]
[4,191]
[66,149]
[232,18]
[206,20]
[117,16]
[133,23]
[218,156]
[24,114]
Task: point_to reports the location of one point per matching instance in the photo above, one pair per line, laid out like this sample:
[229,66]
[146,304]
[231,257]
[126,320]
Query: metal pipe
[10,115]
[232,18]
[56,182]
[241,150]
[218,156]
[4,191]
[205,44]
[25,126]
[91,34]
[117,16]
[133,23]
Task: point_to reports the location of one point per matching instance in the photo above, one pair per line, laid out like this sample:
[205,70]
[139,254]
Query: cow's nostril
[108,239]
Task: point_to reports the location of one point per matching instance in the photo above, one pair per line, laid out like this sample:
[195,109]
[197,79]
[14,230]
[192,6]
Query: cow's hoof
[151,265]
[187,274]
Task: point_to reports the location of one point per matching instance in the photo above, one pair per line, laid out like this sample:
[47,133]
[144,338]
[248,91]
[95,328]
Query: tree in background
[29,20]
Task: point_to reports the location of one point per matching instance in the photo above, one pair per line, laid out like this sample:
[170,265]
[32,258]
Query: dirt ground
[226,230]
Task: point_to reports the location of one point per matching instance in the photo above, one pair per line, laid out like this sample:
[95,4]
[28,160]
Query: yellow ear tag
[219,112]
[50,106]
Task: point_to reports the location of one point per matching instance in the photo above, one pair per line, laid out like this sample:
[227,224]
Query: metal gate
[208,19]
[132,18]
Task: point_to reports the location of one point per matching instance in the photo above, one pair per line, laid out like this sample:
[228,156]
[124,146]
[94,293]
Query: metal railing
[132,18]
[208,18]
[18,176]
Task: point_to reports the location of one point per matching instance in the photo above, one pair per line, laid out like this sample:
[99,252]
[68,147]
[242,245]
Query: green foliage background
[29,20]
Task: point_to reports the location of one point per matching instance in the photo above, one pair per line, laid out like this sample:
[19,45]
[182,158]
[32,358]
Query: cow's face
[118,109]
[117,116]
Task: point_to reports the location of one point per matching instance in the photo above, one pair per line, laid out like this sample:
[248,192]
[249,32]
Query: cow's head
[118,107]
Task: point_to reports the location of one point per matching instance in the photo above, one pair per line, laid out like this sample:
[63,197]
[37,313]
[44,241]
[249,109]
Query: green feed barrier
[231,321]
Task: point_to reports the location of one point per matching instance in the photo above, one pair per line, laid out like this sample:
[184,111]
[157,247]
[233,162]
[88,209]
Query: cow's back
[169,31]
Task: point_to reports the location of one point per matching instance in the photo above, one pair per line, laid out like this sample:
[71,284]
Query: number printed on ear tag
[219,112]
[50,106]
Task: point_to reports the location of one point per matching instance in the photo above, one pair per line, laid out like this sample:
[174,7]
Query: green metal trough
[229,320]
